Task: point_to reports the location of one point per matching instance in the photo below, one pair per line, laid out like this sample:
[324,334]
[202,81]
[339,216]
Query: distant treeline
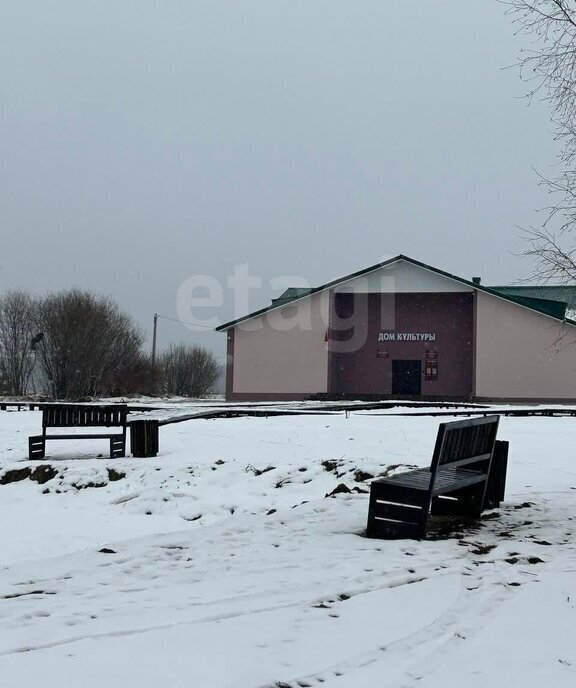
[74,344]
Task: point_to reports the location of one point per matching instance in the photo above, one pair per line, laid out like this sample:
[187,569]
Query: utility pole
[154,339]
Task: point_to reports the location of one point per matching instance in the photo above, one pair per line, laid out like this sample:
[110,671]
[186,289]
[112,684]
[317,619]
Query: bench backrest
[467,442]
[76,415]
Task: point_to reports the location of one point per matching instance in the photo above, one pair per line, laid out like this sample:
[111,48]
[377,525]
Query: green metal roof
[563,293]
[557,309]
[290,294]
[546,306]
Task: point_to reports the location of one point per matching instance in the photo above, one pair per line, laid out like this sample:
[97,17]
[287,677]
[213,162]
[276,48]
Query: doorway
[407,378]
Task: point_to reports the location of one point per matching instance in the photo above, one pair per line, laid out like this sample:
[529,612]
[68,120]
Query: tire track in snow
[424,642]
[395,582]
[478,602]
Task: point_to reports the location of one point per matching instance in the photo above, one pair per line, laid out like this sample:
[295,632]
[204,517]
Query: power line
[184,322]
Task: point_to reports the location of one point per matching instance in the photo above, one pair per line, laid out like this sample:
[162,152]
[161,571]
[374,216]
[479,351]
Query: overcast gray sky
[144,142]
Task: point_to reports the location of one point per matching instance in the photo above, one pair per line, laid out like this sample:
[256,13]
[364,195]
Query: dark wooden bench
[81,416]
[467,475]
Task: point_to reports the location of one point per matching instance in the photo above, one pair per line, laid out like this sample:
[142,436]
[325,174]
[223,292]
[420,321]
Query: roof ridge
[279,302]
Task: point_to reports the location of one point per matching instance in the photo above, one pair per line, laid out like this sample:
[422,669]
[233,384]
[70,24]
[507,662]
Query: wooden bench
[81,416]
[467,474]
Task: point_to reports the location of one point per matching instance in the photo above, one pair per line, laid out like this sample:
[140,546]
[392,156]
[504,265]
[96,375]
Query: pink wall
[519,355]
[282,352]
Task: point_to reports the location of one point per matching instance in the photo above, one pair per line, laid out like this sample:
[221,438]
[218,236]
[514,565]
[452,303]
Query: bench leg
[497,478]
[36,447]
[397,512]
[117,447]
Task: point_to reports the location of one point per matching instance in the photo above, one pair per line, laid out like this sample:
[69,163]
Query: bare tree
[88,343]
[548,66]
[189,371]
[137,376]
[16,334]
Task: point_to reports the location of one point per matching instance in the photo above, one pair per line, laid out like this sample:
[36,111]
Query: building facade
[403,329]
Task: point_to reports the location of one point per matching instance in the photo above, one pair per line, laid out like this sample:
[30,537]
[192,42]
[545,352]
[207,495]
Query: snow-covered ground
[222,563]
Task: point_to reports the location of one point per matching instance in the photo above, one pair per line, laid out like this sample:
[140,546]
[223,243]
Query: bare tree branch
[189,371]
[549,68]
[16,332]
[88,343]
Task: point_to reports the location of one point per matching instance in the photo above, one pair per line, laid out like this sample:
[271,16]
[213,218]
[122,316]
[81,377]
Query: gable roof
[293,294]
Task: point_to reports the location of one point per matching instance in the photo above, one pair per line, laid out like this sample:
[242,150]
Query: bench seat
[82,436]
[447,479]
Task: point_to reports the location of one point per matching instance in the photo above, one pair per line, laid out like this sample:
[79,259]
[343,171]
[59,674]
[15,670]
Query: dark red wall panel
[430,327]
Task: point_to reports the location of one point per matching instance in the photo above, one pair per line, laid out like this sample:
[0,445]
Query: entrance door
[407,378]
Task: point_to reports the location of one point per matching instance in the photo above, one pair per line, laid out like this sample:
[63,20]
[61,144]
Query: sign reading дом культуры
[407,337]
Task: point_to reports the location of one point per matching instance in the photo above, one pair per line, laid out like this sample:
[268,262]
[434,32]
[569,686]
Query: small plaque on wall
[382,353]
[431,371]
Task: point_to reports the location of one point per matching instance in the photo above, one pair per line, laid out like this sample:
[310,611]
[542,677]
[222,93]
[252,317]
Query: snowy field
[223,564]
